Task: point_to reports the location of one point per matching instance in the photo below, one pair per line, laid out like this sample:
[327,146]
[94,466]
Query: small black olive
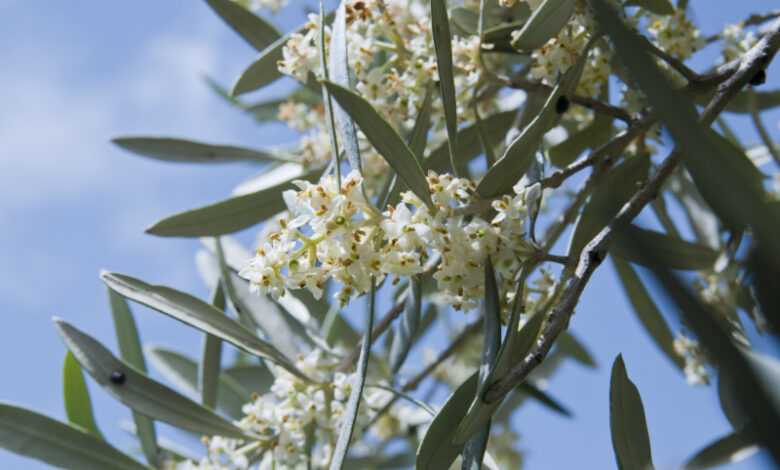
[759,78]
[562,105]
[117,377]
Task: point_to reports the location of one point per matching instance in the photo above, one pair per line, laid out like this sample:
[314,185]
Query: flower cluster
[696,372]
[292,412]
[336,233]
[390,50]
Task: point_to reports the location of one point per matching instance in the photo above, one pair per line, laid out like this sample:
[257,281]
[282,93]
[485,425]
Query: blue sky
[76,73]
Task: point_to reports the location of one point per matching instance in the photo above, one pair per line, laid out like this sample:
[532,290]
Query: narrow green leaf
[437,449]
[542,397]
[407,328]
[384,138]
[596,133]
[419,134]
[194,312]
[545,22]
[646,310]
[442,44]
[765,285]
[254,29]
[264,70]
[34,435]
[659,7]
[729,403]
[741,104]
[674,253]
[211,356]
[417,140]
[254,378]
[130,351]
[484,138]
[182,371]
[517,158]
[572,347]
[515,346]
[78,405]
[328,102]
[731,448]
[616,189]
[138,391]
[353,404]
[627,421]
[703,222]
[230,215]
[188,151]
[474,450]
[338,72]
[469,143]
[465,19]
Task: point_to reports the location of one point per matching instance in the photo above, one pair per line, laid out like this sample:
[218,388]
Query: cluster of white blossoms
[391,54]
[292,418]
[696,372]
[336,233]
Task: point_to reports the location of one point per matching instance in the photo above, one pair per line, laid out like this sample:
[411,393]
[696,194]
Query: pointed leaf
[731,448]
[407,328]
[338,72]
[615,189]
[571,346]
[188,151]
[254,378]
[646,310]
[182,371]
[419,134]
[197,313]
[442,44]
[130,351]
[384,138]
[30,434]
[138,391]
[545,22]
[515,346]
[674,252]
[465,19]
[542,397]
[230,215]
[474,450]
[264,70]
[517,158]
[627,421]
[437,449]
[254,29]
[211,356]
[703,222]
[78,405]
[353,404]
[741,103]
